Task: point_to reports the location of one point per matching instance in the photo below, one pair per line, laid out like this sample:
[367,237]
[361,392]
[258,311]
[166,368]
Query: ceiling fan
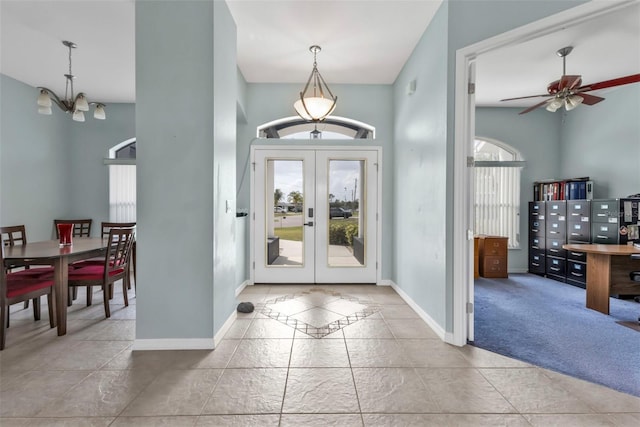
[567,91]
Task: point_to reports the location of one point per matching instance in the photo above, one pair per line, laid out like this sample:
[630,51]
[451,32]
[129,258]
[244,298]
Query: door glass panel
[285,207]
[346,219]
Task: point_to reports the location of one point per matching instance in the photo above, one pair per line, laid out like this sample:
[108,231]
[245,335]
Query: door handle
[309,224]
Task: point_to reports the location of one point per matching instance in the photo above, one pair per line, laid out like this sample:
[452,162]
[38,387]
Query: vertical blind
[497,202]
[122,193]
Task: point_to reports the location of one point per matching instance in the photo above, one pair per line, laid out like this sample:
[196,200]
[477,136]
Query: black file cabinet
[537,239]
[556,236]
[578,231]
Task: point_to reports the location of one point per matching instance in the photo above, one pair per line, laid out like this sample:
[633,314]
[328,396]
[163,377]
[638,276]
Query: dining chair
[81,227]
[114,267]
[19,287]
[106,227]
[17,235]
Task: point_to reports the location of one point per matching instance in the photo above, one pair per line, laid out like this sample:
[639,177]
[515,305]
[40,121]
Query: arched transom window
[333,127]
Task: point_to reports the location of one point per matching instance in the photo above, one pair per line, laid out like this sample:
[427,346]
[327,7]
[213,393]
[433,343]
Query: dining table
[50,252]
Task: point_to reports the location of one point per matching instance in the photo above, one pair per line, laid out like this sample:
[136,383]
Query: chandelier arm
[326,86]
[304,105]
[307,85]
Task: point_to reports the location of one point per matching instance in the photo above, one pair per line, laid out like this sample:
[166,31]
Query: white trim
[518,270]
[464,56]
[112,150]
[119,161]
[340,119]
[240,288]
[225,328]
[385,282]
[185,343]
[252,212]
[174,344]
[423,314]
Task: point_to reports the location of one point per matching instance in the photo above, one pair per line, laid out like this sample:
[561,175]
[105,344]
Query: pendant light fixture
[315,102]
[69,104]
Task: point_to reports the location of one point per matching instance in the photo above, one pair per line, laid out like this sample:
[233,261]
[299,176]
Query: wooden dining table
[50,252]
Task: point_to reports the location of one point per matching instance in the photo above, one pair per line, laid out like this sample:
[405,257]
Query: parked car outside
[279,209]
[339,213]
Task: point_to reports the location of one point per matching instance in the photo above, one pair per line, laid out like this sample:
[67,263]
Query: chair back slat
[81,227]
[107,226]
[14,234]
[119,250]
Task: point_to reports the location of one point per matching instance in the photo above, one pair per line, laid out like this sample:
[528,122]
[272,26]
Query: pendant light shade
[316,100]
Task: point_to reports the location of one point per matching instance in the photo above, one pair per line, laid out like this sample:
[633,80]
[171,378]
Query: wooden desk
[608,268]
[50,252]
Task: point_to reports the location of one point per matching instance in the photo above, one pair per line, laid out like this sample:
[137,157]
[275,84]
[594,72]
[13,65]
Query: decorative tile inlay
[361,310]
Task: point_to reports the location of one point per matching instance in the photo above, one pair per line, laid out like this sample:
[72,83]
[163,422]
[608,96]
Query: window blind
[122,193]
[497,202]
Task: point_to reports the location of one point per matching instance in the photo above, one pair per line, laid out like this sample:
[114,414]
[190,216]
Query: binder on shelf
[567,189]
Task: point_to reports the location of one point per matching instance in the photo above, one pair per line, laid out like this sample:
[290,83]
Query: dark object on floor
[245,307]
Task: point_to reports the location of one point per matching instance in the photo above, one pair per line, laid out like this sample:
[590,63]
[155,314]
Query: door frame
[464,117]
[337,149]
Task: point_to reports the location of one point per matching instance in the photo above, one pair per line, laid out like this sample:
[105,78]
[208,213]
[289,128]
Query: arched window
[122,181]
[497,189]
[333,127]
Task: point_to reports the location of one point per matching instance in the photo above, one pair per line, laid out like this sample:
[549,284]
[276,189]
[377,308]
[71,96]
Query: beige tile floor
[375,364]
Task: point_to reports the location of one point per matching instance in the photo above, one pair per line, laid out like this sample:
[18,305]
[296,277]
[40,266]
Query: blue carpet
[546,323]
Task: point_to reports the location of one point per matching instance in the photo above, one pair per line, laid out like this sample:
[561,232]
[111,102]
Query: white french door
[315,215]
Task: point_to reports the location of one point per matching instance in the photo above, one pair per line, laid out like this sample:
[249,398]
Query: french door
[315,215]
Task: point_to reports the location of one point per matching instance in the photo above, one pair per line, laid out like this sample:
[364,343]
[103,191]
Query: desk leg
[61,267]
[598,282]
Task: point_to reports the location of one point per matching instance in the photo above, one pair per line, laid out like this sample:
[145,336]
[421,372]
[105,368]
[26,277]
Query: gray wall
[89,145]
[537,136]
[34,161]
[225,95]
[429,128]
[603,142]
[371,104]
[180,179]
[44,156]
[420,188]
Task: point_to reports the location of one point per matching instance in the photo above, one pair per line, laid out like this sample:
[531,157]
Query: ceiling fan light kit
[77,105]
[319,102]
[568,92]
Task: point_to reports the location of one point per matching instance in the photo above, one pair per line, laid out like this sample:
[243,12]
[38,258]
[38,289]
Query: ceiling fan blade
[634,78]
[589,99]
[525,97]
[569,82]
[539,104]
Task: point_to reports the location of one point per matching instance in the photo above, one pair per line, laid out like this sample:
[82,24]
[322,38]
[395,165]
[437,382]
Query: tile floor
[307,356]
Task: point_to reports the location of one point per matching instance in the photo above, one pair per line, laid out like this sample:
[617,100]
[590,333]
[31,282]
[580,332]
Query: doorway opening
[315,215]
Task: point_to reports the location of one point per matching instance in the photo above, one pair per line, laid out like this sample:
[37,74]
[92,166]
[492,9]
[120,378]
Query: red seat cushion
[33,272]
[91,272]
[22,285]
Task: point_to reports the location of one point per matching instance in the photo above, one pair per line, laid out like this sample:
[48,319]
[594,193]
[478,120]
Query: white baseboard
[385,282]
[423,315]
[185,343]
[173,344]
[225,327]
[240,288]
[518,270]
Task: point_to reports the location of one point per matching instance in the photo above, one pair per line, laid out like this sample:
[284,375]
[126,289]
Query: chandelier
[314,106]
[69,104]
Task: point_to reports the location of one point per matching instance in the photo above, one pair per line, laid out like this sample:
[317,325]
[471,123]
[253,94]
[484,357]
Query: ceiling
[365,41]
